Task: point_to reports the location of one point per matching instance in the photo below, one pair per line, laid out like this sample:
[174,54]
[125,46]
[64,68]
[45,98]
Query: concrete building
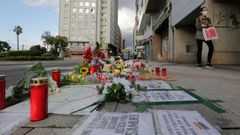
[89,21]
[169,28]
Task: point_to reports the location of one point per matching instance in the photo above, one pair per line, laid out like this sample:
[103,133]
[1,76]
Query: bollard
[157,71]
[164,72]
[56,76]
[2,91]
[39,99]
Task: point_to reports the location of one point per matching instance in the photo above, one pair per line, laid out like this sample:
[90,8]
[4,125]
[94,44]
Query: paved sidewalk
[219,84]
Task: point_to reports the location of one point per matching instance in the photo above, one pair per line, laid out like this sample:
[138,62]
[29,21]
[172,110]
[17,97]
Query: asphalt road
[15,70]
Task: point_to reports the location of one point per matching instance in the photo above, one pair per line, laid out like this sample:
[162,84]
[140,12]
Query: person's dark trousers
[199,52]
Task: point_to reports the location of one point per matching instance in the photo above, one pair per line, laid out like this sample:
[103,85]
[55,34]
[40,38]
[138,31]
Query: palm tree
[18,30]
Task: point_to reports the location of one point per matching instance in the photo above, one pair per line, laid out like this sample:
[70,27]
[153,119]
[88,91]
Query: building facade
[171,30]
[89,21]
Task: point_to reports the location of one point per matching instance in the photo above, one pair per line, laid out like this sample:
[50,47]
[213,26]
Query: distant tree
[4,46]
[36,50]
[61,43]
[43,50]
[48,39]
[18,30]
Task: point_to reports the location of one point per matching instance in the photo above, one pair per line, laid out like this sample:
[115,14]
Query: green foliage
[19,53]
[100,89]
[18,30]
[4,46]
[21,58]
[117,93]
[35,50]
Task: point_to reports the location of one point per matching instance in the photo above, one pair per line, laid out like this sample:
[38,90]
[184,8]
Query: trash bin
[39,99]
[56,76]
[2,91]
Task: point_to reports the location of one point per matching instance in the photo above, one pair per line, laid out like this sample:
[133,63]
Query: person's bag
[210,33]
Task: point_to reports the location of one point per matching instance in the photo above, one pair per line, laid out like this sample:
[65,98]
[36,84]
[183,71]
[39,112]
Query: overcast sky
[37,16]
[126,19]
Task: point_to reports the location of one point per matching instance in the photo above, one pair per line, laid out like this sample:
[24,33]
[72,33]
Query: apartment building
[89,21]
[168,27]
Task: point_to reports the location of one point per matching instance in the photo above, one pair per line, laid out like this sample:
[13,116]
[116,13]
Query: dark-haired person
[203,21]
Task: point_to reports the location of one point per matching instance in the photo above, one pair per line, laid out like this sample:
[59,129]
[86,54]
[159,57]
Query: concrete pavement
[221,83]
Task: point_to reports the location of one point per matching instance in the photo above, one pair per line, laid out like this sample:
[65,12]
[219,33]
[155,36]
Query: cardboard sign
[101,123]
[154,84]
[182,123]
[162,96]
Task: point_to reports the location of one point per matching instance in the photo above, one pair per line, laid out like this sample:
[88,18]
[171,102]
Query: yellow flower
[85,71]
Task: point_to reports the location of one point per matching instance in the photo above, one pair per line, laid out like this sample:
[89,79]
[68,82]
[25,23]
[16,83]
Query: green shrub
[20,58]
[3,54]
[19,53]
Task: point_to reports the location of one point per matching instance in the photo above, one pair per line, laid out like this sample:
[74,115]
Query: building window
[81,4]
[93,4]
[65,25]
[74,10]
[86,10]
[74,16]
[92,10]
[87,4]
[80,10]
[67,0]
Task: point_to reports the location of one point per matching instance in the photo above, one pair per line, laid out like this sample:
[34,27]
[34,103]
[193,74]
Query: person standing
[203,21]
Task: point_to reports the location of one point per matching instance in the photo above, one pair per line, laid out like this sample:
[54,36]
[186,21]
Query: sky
[38,16]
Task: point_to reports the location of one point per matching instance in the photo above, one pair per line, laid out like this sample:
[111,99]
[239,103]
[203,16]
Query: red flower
[88,54]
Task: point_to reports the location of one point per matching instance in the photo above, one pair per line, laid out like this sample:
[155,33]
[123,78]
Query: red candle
[56,76]
[2,91]
[157,71]
[38,99]
[164,72]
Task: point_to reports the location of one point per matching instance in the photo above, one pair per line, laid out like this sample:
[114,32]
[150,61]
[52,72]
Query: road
[15,70]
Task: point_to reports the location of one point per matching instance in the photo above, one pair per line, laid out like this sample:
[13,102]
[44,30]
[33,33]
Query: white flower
[125,83]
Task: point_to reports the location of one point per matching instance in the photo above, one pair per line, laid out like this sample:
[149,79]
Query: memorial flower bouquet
[120,90]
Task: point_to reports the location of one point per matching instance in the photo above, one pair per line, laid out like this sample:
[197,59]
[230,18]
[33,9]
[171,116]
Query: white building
[89,21]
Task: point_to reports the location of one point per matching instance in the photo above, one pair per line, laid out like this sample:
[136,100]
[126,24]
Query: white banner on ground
[182,123]
[103,123]
[154,84]
[162,96]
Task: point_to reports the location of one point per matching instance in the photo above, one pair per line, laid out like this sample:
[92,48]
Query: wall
[156,47]
[183,36]
[225,16]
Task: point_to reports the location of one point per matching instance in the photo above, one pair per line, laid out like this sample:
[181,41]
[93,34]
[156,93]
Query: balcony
[152,5]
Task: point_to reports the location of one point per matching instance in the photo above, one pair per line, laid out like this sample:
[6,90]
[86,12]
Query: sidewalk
[218,84]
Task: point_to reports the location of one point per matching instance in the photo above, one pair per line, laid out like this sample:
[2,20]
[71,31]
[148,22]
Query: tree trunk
[18,42]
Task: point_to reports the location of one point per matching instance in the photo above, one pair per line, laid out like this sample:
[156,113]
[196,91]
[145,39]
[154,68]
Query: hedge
[19,58]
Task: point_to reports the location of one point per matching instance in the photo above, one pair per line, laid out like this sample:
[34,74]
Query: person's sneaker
[209,66]
[199,66]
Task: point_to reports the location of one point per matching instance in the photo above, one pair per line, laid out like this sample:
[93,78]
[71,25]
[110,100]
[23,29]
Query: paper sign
[210,33]
[10,121]
[162,96]
[154,84]
[101,123]
[182,123]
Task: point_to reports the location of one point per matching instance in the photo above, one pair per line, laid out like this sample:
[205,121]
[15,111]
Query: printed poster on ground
[170,122]
[104,123]
[162,96]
